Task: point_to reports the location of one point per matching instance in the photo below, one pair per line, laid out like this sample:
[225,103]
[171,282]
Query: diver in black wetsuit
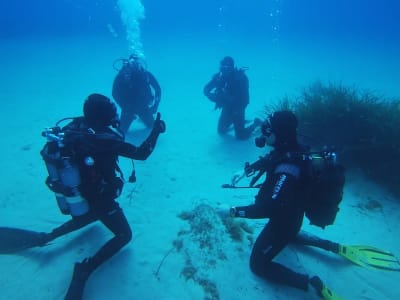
[93,136]
[281,199]
[229,90]
[137,92]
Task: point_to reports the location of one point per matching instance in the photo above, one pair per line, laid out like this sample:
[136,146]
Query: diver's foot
[317,284]
[322,290]
[256,123]
[79,278]
[44,239]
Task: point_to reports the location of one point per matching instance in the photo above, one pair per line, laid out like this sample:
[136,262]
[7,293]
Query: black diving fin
[13,240]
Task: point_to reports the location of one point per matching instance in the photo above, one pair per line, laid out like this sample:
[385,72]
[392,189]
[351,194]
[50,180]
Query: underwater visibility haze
[336,63]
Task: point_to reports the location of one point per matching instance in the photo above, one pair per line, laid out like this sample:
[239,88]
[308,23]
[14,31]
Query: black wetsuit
[231,94]
[281,199]
[100,183]
[138,93]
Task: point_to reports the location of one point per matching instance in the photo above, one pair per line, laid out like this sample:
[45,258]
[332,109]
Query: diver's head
[227,65]
[279,130]
[134,63]
[99,111]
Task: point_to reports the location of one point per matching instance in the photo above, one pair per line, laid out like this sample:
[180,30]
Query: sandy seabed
[173,256]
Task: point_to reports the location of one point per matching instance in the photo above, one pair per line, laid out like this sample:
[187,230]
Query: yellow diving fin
[327,294]
[322,290]
[370,257]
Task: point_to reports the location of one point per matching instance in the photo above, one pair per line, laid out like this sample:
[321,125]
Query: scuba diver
[137,92]
[298,182]
[282,199]
[229,90]
[82,160]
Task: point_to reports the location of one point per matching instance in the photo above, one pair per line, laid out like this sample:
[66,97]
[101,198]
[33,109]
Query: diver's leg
[72,225]
[304,238]
[115,221]
[225,121]
[242,132]
[268,244]
[147,117]
[127,117]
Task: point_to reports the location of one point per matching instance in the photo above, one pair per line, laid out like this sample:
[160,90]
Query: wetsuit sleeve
[261,164]
[277,194]
[258,210]
[209,88]
[155,85]
[143,151]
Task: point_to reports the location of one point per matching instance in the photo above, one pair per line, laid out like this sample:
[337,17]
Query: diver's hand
[223,211]
[159,125]
[248,169]
[237,177]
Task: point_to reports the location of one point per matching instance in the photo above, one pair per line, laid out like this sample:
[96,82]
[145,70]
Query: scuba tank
[51,155]
[70,178]
[64,178]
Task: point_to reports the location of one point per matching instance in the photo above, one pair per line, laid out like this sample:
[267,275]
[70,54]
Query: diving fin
[365,256]
[327,294]
[15,239]
[322,290]
[370,257]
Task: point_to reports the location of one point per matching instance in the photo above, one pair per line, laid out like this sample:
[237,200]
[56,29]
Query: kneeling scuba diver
[284,198]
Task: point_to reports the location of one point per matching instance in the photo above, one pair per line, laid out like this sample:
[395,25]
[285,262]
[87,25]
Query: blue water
[53,53]
[309,18]
[353,42]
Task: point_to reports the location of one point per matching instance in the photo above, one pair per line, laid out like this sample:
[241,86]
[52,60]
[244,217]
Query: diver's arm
[258,165]
[139,153]
[210,87]
[253,211]
[155,85]
[146,148]
[273,197]
[250,169]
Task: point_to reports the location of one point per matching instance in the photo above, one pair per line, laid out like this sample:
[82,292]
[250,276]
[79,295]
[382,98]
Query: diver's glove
[159,125]
[224,211]
[248,169]
[158,128]
[232,212]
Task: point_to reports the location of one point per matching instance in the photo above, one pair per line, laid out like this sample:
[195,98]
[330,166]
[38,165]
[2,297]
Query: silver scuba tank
[64,178]
[70,178]
[51,154]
